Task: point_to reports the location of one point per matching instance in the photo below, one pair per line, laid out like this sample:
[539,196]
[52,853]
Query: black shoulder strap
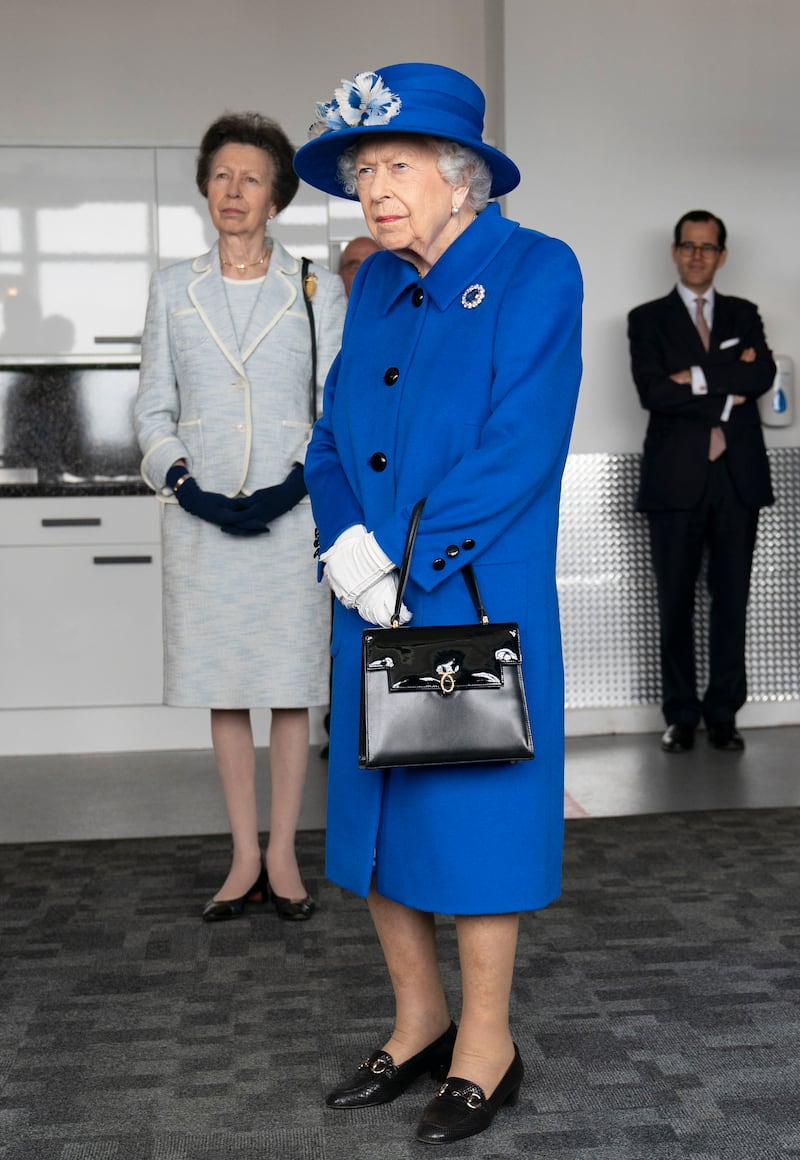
[309,282]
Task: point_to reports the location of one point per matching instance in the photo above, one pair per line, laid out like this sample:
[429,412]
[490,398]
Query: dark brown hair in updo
[251,129]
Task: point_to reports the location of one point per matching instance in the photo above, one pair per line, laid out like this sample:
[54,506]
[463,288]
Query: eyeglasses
[706,249]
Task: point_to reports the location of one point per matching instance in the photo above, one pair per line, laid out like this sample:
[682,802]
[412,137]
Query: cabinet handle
[75,522]
[122,560]
[134,339]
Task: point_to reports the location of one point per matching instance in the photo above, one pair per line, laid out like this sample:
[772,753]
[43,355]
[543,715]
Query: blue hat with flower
[424,99]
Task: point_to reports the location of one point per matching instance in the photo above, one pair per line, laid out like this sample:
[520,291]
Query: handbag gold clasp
[447,682]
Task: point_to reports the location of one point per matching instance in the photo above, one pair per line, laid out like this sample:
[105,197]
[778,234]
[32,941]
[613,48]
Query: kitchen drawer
[80,626]
[83,520]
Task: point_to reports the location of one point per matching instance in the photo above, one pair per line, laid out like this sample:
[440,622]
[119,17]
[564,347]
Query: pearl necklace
[244,265]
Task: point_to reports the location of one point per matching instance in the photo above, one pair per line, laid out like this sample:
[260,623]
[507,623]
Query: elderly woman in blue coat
[223,415]
[457,381]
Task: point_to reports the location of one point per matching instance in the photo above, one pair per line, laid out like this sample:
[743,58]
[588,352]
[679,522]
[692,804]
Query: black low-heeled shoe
[379,1080]
[220,910]
[291,911]
[460,1108]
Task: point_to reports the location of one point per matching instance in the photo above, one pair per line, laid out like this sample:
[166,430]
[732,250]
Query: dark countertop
[89,487]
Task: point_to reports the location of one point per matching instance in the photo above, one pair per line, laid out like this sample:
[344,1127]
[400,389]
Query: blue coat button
[378,461]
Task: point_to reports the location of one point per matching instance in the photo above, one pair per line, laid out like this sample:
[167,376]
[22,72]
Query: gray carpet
[657,1004]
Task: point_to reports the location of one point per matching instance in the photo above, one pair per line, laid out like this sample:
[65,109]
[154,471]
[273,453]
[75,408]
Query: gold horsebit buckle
[378,1065]
[473,1100]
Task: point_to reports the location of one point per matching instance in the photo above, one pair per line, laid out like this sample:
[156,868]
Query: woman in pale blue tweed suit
[223,417]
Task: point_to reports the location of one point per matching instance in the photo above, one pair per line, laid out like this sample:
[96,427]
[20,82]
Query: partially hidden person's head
[698,249]
[250,137]
[354,253]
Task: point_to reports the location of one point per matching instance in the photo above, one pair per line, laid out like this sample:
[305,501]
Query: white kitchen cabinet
[80,602]
[77,246]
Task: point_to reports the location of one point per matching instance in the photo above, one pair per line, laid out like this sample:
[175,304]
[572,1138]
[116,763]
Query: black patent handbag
[442,695]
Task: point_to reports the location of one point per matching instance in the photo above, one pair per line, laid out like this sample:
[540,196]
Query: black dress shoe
[460,1108]
[223,909]
[291,911]
[678,738]
[379,1080]
[725,735]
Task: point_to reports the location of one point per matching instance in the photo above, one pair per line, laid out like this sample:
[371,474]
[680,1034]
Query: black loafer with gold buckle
[460,1108]
[379,1080]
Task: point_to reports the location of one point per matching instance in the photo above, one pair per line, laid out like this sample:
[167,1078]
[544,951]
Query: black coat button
[468,545]
[438,563]
[418,297]
[391,376]
[378,461]
[452,551]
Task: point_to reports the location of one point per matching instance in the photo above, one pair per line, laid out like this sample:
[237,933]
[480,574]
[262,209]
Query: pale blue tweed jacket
[245,622]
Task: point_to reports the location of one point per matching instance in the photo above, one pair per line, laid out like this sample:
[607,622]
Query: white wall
[622,115]
[156,72]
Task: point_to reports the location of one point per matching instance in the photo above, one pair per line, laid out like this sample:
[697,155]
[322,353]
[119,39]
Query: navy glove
[266,504]
[207,505]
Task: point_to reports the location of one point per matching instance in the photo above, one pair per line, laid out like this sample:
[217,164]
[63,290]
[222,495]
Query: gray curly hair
[457,164]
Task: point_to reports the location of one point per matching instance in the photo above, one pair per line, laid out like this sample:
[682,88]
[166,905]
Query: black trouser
[723,524]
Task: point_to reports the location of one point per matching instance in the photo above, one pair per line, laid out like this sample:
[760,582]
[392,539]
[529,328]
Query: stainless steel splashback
[607,593]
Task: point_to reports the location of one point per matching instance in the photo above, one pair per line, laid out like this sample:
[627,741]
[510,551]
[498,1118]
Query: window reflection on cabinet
[77,231]
[184,228]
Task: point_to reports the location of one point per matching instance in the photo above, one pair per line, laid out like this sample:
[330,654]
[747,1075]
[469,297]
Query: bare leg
[487,946]
[232,738]
[288,758]
[408,941]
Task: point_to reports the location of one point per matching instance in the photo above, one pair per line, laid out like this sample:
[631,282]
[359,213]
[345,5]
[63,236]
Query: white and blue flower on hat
[365,100]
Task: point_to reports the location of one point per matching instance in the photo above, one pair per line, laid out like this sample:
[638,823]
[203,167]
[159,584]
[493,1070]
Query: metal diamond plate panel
[606,589]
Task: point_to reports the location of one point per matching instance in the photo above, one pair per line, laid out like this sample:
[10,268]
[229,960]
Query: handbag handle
[468,572]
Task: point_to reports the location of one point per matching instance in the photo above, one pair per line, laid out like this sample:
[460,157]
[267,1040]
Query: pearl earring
[455,209]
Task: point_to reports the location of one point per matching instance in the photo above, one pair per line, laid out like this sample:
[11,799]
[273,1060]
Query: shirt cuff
[726,410]
[699,384]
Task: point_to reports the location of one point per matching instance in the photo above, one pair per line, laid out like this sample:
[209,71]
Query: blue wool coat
[460,387]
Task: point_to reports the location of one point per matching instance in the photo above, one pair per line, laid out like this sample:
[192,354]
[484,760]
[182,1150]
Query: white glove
[376,605]
[353,562]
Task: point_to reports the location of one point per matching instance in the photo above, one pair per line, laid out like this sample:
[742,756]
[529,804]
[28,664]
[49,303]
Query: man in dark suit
[700,360]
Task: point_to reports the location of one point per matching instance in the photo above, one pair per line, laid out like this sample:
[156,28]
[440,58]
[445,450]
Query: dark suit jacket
[663,340]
